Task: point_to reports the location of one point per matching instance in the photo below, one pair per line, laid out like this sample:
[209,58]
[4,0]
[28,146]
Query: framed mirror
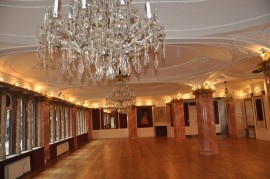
[249,113]
[110,119]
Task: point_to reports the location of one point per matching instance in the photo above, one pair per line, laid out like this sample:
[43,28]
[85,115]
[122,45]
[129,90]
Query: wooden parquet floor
[161,158]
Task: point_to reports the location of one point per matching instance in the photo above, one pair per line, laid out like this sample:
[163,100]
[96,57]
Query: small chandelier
[227,96]
[121,97]
[100,36]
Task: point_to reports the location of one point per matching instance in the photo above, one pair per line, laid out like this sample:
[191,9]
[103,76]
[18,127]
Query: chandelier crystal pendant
[227,96]
[100,36]
[121,97]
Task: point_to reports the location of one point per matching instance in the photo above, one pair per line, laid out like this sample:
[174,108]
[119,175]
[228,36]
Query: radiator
[62,148]
[17,168]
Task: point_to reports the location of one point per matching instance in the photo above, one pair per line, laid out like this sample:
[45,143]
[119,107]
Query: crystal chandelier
[121,97]
[227,96]
[99,37]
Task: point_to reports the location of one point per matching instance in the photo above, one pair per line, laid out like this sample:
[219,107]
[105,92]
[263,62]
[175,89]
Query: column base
[180,140]
[209,153]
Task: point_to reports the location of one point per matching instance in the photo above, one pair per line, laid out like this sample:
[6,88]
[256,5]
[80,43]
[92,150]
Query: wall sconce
[263,92]
[251,94]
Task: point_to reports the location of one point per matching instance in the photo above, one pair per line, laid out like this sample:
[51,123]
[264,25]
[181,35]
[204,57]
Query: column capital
[29,96]
[203,92]
[175,101]
[4,90]
[18,94]
[40,98]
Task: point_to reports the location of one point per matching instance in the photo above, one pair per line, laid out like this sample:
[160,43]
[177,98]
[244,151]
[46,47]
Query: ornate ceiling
[206,41]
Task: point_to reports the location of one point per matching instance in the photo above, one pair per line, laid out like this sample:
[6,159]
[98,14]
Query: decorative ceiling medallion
[262,35]
[241,49]
[201,59]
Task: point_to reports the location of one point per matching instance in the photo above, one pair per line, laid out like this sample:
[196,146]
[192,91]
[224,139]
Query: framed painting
[161,115]
[144,116]
[249,113]
[259,112]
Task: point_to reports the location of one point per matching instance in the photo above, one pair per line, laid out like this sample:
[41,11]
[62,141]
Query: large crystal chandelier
[99,37]
[121,97]
[227,96]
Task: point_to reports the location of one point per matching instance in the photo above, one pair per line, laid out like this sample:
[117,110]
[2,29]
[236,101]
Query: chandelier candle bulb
[55,10]
[148,10]
[83,4]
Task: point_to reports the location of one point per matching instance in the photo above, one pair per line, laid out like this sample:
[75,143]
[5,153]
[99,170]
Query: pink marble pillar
[206,122]
[232,123]
[89,124]
[178,120]
[74,119]
[267,80]
[46,129]
[132,124]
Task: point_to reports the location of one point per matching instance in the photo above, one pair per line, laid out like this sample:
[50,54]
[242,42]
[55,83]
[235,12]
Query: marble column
[178,120]
[40,101]
[18,123]
[29,145]
[232,123]
[46,133]
[206,122]
[89,124]
[74,119]
[267,80]
[132,123]
[3,123]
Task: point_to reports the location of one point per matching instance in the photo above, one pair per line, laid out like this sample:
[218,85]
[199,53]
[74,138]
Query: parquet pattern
[161,158]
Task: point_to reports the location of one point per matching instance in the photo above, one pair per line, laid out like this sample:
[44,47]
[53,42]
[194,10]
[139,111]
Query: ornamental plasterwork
[194,81]
[219,78]
[200,59]
[241,49]
[262,35]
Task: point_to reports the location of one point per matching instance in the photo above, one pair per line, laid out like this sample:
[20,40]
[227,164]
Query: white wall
[110,133]
[146,132]
[170,131]
[150,131]
[192,129]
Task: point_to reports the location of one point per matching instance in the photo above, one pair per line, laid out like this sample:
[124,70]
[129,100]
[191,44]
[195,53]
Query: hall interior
[210,87]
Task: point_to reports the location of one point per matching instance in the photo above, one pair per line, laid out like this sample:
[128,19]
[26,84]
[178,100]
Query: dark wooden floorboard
[161,158]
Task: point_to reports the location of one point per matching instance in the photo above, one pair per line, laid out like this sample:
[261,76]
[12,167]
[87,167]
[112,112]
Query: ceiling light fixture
[100,36]
[227,96]
[121,97]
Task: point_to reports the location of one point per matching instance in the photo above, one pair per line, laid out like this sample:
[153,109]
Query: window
[62,123]
[9,132]
[8,142]
[52,123]
[66,122]
[70,122]
[57,122]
